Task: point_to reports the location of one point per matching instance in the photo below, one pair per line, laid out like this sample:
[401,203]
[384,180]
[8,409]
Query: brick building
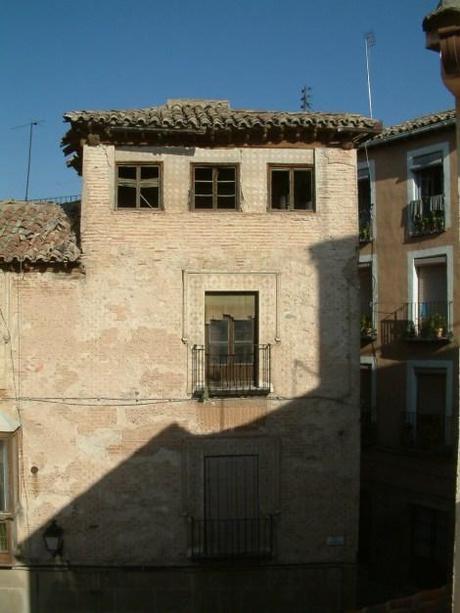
[180,373]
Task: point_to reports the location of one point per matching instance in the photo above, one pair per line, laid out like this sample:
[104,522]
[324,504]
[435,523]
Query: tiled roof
[203,115]
[38,232]
[210,122]
[414,126]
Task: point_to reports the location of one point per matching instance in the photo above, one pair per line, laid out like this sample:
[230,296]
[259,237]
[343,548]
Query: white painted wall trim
[372,260]
[369,360]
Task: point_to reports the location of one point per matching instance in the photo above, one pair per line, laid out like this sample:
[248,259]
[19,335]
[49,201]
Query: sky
[62,55]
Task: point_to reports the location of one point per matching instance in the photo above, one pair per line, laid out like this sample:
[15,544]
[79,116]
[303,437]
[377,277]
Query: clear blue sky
[62,55]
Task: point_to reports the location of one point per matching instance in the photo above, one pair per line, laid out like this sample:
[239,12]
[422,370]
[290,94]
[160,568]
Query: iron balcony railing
[231,538]
[365,226]
[231,374]
[429,320]
[426,215]
[58,199]
[427,431]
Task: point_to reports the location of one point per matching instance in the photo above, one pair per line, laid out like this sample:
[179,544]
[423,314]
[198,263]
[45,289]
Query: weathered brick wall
[106,353]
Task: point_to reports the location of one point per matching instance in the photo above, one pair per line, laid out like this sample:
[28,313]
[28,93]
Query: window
[428,421]
[367,293]
[138,186]
[429,312]
[431,551]
[365,204]
[215,187]
[7,495]
[428,172]
[233,525]
[231,362]
[291,188]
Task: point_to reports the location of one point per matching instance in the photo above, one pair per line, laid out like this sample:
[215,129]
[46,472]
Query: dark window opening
[364,205]
[215,187]
[138,186]
[430,548]
[291,189]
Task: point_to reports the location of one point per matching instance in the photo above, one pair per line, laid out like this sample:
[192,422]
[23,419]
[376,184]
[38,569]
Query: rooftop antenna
[305,98]
[369,41]
[30,125]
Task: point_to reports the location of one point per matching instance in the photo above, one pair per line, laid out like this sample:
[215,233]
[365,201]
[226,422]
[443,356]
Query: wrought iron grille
[426,431]
[231,374]
[232,538]
[426,215]
[429,320]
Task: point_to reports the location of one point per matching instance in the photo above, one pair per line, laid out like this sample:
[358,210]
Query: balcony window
[366,293]
[231,362]
[364,205]
[7,495]
[215,187]
[427,424]
[233,526]
[429,317]
[431,552]
[291,188]
[367,394]
[427,203]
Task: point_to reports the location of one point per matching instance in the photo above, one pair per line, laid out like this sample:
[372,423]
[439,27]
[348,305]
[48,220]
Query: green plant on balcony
[365,232]
[367,328]
[428,224]
[411,331]
[434,326]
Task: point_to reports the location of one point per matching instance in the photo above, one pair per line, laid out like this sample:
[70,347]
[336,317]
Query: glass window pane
[226,173]
[203,173]
[127,172]
[203,188]
[149,197]
[126,196]
[149,172]
[280,189]
[244,330]
[218,330]
[203,202]
[226,202]
[3,537]
[226,189]
[302,190]
[244,353]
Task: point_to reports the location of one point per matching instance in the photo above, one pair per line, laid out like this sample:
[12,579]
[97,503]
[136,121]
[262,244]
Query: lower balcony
[213,539]
[238,374]
[430,432]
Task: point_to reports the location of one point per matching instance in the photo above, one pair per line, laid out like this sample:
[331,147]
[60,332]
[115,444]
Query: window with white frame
[427,423]
[428,190]
[430,294]
[366,197]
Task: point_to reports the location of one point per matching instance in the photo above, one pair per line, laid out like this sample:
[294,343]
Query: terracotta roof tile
[38,232]
[414,126]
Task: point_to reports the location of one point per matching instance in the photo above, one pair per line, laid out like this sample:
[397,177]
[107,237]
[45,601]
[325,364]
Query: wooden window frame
[138,184]
[291,168]
[7,515]
[214,166]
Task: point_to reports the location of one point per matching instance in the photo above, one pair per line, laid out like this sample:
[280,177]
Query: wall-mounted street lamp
[53,538]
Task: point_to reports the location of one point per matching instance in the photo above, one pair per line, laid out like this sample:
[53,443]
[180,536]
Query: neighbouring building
[410,312]
[180,367]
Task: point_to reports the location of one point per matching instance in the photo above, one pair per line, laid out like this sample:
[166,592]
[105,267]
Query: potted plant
[367,329]
[439,325]
[410,330]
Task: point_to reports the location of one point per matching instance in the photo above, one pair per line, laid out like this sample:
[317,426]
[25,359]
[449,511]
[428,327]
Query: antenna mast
[305,98]
[369,41]
[30,125]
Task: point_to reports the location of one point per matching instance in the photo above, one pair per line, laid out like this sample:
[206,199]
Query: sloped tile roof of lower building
[411,127]
[38,232]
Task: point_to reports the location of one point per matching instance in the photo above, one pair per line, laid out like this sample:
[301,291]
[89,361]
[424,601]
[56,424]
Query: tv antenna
[31,124]
[369,41]
[305,98]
